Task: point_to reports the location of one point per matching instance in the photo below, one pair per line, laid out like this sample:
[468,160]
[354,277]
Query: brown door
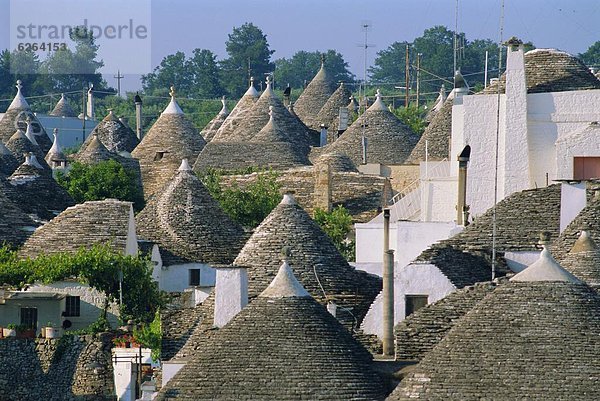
[585,168]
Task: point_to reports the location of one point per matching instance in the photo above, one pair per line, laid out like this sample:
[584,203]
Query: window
[73,306]
[414,303]
[194,277]
[29,317]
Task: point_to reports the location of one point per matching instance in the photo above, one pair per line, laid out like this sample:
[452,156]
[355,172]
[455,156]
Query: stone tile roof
[284,348]
[115,135]
[171,138]
[63,108]
[329,113]
[339,162]
[83,225]
[8,162]
[588,219]
[15,225]
[210,130]
[389,140]
[55,154]
[201,330]
[288,225]
[550,70]
[237,114]
[37,193]
[520,217]
[525,340]
[584,260]
[424,329]
[177,324]
[187,222]
[437,135]
[19,145]
[314,97]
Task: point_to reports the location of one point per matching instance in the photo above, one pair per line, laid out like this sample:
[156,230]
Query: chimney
[364,143]
[287,93]
[91,112]
[322,193]
[323,138]
[231,293]
[388,302]
[138,116]
[462,210]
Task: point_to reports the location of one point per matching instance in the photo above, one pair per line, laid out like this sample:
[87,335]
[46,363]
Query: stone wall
[73,368]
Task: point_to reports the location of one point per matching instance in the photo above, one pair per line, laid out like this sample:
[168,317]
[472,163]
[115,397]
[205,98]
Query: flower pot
[51,332]
[28,333]
[9,332]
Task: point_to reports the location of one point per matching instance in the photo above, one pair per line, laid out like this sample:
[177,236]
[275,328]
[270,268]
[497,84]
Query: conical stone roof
[314,97]
[329,113]
[282,346]
[188,223]
[19,145]
[389,141]
[8,162]
[588,218]
[437,136]
[36,192]
[584,260]
[339,162]
[15,225]
[213,126]
[288,225]
[534,338]
[16,118]
[243,106]
[551,70]
[114,135]
[55,154]
[172,138]
[63,108]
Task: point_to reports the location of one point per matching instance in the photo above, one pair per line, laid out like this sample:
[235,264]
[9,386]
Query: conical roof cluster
[16,117]
[36,192]
[63,108]
[316,262]
[188,223]
[20,145]
[389,141]
[535,337]
[329,113]
[282,346]
[8,162]
[172,138]
[115,135]
[584,260]
[242,107]
[338,162]
[213,126]
[314,97]
[15,226]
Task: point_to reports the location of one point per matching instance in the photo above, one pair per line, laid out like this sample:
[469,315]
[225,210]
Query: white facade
[414,279]
[231,294]
[176,278]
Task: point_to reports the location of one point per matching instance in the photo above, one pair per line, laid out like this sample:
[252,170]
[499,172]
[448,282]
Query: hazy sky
[569,25]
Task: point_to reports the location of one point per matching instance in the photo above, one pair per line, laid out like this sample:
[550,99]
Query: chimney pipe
[231,293]
[462,209]
[386,230]
[364,143]
[388,303]
[138,116]
[91,112]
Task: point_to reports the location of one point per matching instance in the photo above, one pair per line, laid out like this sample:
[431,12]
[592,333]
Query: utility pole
[418,77]
[407,77]
[118,77]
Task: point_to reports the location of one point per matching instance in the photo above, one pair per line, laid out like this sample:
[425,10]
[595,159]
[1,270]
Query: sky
[290,26]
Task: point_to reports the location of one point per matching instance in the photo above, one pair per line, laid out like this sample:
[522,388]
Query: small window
[194,277]
[414,303]
[29,317]
[73,306]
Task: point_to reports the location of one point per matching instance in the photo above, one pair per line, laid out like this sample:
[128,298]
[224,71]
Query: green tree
[591,57]
[205,74]
[104,180]
[171,71]
[412,116]
[249,54]
[338,224]
[302,67]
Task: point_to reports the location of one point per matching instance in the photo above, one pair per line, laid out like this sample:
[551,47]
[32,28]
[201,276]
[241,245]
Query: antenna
[118,77]
[366,26]
[494,221]
[454,36]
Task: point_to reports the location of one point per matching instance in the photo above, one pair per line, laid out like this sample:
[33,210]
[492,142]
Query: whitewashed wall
[175,278]
[573,198]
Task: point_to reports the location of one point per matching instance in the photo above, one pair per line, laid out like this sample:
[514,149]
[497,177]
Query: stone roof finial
[322,60]
[546,268]
[173,107]
[29,132]
[288,198]
[378,104]
[269,82]
[19,86]
[185,166]
[285,285]
[584,243]
[286,251]
[172,91]
[224,109]
[31,160]
[271,113]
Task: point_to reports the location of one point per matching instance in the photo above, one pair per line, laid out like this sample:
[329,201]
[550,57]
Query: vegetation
[302,67]
[108,179]
[150,336]
[412,116]
[100,268]
[338,224]
[248,205]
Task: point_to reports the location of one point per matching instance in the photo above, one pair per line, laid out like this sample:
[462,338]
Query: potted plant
[10,330]
[119,342]
[51,331]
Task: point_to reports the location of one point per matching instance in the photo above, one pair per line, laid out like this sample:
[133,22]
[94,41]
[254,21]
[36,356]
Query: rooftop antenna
[494,220]
[118,77]
[366,25]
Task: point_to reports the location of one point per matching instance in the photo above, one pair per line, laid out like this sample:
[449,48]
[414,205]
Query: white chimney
[91,113]
[231,293]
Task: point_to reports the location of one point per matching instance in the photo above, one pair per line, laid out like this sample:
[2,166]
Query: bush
[337,224]
[412,116]
[108,179]
[150,336]
[249,205]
